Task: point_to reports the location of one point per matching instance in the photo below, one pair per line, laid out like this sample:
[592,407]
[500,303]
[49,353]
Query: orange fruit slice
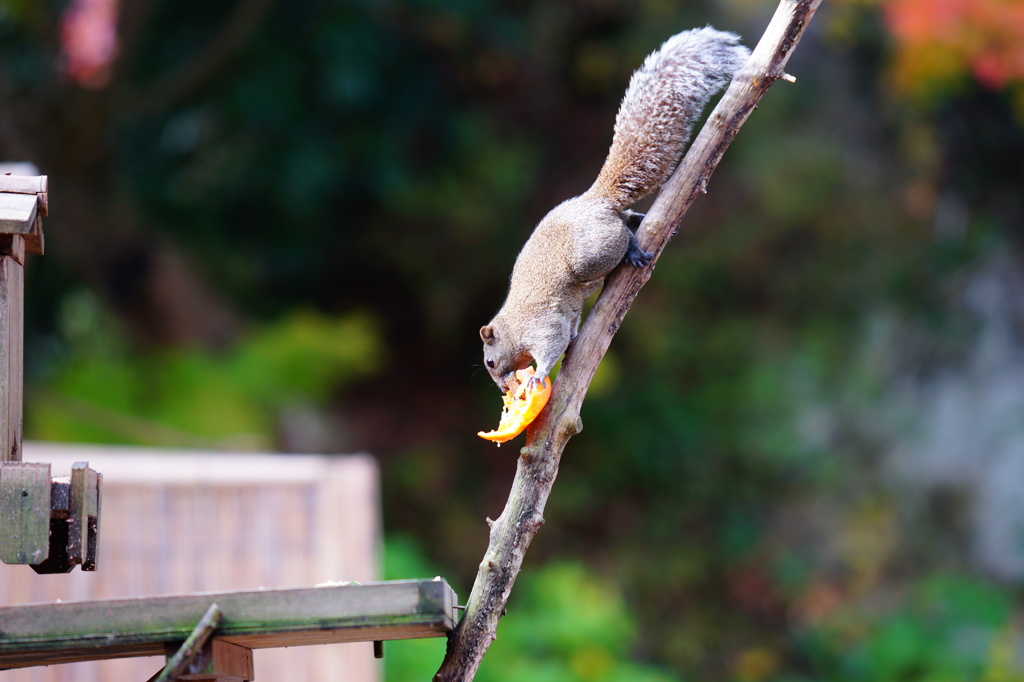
[521,407]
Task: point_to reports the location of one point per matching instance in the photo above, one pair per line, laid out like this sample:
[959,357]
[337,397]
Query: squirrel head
[501,358]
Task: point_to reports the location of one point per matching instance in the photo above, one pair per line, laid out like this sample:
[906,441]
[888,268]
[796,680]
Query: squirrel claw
[637,257]
[536,382]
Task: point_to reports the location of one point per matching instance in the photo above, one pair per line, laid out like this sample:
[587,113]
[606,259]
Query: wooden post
[12,301]
[44,522]
[23,203]
[24,513]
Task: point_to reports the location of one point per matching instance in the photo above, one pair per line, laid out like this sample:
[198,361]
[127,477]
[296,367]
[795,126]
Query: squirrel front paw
[536,382]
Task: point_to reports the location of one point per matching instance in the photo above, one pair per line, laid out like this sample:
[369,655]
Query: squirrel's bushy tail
[665,97]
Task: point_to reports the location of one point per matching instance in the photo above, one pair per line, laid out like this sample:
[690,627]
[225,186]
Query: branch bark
[512,532]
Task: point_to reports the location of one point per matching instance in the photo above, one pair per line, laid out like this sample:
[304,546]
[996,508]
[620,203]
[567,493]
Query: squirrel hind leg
[633,220]
[636,256]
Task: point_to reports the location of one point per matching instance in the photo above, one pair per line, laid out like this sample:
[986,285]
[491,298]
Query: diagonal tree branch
[513,531]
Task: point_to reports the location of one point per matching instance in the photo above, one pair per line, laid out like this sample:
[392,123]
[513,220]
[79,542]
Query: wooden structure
[51,524]
[61,633]
[187,522]
[23,203]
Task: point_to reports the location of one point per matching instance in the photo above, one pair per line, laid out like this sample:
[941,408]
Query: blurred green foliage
[104,391]
[564,623]
[569,626]
[945,628]
[356,180]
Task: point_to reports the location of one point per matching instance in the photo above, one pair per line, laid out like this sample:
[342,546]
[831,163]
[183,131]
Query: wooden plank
[78,511]
[17,212]
[220,660]
[12,287]
[24,512]
[35,243]
[24,184]
[94,503]
[42,634]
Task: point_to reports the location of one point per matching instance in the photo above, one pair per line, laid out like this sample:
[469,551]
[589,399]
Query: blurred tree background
[279,226]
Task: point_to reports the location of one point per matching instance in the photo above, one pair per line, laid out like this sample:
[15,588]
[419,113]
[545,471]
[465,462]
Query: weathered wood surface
[186,521]
[84,515]
[14,246]
[219,661]
[24,202]
[24,184]
[17,212]
[39,634]
[24,513]
[12,296]
[181,659]
[70,510]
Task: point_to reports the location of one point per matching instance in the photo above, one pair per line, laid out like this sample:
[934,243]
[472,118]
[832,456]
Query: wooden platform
[38,634]
[184,522]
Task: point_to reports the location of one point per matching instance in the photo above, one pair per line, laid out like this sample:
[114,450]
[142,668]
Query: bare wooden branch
[220,661]
[188,650]
[512,532]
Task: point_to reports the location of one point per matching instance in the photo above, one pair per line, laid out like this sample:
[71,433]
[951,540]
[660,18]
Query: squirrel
[577,244]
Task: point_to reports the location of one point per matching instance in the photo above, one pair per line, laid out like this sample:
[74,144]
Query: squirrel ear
[487,334]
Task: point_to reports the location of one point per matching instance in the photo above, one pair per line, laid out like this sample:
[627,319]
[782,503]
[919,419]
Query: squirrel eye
[490,363]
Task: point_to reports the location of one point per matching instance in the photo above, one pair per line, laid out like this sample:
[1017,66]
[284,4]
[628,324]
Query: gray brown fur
[582,240]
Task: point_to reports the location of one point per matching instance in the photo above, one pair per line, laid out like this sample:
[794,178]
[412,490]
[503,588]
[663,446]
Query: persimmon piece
[521,407]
